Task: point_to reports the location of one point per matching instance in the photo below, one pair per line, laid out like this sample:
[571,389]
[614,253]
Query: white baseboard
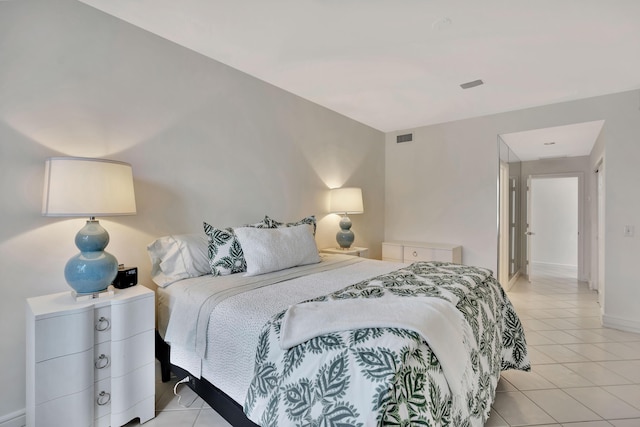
[552,264]
[620,323]
[15,419]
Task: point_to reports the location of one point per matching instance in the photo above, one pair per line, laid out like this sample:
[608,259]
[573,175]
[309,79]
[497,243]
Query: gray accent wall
[207,143]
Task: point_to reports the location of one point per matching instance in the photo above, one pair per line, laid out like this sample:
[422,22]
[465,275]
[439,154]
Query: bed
[338,341]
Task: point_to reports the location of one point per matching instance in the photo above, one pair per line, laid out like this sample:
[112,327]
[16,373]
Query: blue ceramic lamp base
[93,269]
[345,236]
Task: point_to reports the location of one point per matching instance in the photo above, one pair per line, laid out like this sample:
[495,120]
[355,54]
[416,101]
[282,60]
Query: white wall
[206,143]
[554,212]
[443,187]
[622,207]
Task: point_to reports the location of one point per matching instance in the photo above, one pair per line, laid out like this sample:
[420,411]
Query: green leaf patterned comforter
[389,376]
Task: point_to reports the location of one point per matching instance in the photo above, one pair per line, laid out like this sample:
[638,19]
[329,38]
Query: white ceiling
[398,64]
[559,141]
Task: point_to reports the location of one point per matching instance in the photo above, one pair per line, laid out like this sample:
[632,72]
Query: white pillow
[272,249]
[179,256]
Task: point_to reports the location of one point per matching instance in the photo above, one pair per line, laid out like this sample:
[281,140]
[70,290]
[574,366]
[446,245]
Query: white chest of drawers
[406,251]
[91,363]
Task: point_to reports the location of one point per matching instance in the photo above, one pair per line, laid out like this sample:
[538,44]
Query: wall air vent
[469,85]
[407,137]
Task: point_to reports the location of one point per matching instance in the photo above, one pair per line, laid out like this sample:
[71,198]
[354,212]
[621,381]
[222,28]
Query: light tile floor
[583,375]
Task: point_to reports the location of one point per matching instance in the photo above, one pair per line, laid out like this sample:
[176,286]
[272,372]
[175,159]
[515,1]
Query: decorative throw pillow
[224,251]
[272,223]
[265,223]
[275,249]
[178,256]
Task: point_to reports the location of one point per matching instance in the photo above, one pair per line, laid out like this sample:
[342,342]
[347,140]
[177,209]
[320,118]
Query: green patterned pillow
[272,223]
[224,250]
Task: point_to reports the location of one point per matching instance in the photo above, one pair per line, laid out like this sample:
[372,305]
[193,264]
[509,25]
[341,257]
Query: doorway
[542,152]
[554,223]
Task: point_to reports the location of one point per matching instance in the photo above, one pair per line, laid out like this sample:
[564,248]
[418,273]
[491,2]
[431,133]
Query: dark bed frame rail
[219,401]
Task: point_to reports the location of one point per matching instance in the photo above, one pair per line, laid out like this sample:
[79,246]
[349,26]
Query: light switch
[629,230]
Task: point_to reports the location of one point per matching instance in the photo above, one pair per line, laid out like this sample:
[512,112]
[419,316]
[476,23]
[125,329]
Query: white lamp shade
[76,186]
[347,200]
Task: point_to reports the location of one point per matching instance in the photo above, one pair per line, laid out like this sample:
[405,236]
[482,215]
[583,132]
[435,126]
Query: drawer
[363,253]
[133,317]
[61,335]
[102,398]
[102,361]
[444,255]
[115,398]
[414,253]
[391,252]
[144,410]
[63,376]
[104,421]
[103,324]
[132,388]
[132,353]
[71,410]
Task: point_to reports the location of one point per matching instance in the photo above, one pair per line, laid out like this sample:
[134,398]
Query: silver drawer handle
[103,398]
[103,324]
[415,254]
[102,362]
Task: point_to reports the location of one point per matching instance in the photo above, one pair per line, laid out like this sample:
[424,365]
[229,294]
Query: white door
[553,224]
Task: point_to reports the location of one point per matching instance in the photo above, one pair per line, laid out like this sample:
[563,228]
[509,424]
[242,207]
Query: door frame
[527,229]
[503,224]
[582,274]
[598,257]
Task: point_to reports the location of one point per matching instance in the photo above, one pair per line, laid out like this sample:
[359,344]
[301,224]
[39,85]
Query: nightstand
[91,362]
[353,250]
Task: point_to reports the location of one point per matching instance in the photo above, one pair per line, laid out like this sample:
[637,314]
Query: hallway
[583,375]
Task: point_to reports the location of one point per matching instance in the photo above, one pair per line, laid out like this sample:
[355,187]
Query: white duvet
[235,322]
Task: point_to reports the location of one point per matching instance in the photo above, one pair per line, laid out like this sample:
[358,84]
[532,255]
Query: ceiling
[560,141]
[398,64]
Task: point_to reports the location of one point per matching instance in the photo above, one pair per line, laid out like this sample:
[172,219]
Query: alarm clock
[126,277]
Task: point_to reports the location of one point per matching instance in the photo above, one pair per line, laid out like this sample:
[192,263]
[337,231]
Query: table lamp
[347,200]
[77,187]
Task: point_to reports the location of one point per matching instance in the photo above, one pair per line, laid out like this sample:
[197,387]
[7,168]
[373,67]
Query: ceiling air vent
[469,85]
[407,137]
